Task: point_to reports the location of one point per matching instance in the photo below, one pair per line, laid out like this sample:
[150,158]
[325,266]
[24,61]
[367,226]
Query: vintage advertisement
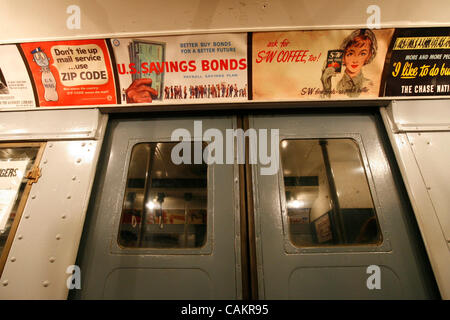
[418,63]
[15,86]
[182,69]
[70,73]
[323,228]
[330,64]
[11,174]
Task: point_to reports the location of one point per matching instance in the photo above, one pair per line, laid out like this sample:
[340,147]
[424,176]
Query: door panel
[155,249]
[318,228]
[332,210]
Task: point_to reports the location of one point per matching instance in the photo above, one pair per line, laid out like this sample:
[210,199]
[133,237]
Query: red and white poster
[15,86]
[182,69]
[70,73]
[329,64]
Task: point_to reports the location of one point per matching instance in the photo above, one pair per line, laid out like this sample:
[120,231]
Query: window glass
[165,204]
[327,194]
[15,162]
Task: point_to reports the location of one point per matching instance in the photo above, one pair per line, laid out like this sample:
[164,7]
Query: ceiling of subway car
[21,21]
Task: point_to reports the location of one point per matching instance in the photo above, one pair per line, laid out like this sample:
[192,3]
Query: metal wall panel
[424,168]
[432,153]
[420,115]
[48,235]
[49,124]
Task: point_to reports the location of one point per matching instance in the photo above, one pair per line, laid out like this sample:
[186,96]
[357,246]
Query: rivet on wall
[69,197]
[58,236]
[63,216]
[20,237]
[27,216]
[52,259]
[46,283]
[78,160]
[74,178]
[5,283]
[13,259]
[33,197]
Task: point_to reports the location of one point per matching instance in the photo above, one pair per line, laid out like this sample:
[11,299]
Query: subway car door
[162,223]
[333,222]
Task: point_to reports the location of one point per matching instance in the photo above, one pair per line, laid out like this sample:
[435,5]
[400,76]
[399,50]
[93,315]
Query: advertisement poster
[329,64]
[182,69]
[70,73]
[15,86]
[323,228]
[418,63]
[11,174]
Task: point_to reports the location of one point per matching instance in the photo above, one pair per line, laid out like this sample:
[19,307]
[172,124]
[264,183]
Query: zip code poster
[319,65]
[70,73]
[15,86]
[182,69]
[11,174]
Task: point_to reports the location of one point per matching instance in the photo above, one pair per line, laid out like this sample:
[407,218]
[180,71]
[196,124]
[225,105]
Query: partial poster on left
[15,86]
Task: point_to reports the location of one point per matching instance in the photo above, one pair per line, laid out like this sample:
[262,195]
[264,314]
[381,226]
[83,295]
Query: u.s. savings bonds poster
[329,64]
[182,69]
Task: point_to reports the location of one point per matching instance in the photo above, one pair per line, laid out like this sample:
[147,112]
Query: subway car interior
[225,150]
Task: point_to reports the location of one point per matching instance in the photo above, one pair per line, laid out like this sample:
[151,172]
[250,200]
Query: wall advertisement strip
[330,64]
[182,69]
[213,68]
[68,73]
[15,86]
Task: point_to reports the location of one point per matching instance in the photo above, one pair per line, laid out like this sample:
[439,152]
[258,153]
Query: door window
[165,204]
[328,197]
[16,160]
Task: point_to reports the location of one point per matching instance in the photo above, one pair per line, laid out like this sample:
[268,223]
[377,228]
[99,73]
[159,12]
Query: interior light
[150,205]
[284,144]
[359,170]
[295,204]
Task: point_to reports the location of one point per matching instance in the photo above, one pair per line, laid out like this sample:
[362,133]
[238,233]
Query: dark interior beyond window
[328,198]
[165,204]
